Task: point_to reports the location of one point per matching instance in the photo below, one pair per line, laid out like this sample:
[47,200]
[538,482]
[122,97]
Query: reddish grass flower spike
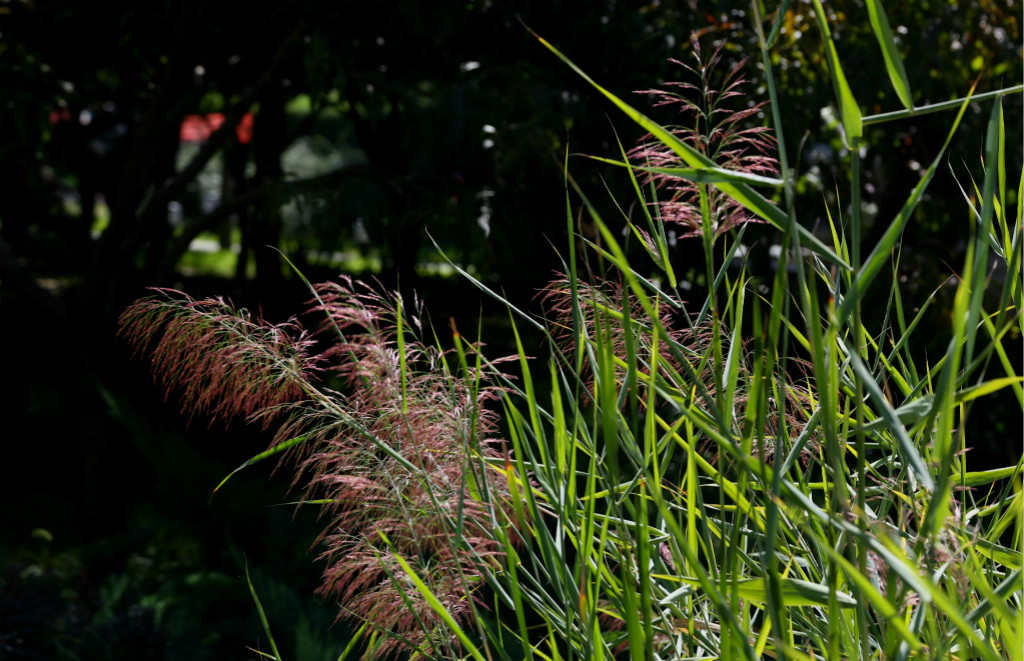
[222,361]
[714,128]
[438,426]
[403,451]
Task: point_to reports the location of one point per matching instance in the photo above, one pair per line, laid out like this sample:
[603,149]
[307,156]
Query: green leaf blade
[893,62]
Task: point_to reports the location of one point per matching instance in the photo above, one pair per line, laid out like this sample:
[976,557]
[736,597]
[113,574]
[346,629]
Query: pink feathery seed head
[409,462]
[220,361]
[710,123]
[370,585]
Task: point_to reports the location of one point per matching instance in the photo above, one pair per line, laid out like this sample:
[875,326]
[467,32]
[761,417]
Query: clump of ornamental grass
[398,461]
[759,474]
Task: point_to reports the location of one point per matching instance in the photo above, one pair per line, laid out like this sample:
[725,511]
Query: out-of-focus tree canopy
[374,124]
[371,124]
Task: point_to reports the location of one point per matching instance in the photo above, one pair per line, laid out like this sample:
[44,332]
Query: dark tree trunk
[270,138]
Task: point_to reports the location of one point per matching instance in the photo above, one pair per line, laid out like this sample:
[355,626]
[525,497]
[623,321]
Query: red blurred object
[60,115]
[199,128]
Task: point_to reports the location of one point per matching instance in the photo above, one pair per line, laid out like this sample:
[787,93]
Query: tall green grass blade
[886,609]
[945,409]
[966,306]
[1001,172]
[795,592]
[706,582]
[435,604]
[417,614]
[484,288]
[883,249]
[277,449]
[992,238]
[893,62]
[263,616]
[730,375]
[563,444]
[894,558]
[711,174]
[996,553]
[1014,287]
[777,26]
[978,478]
[984,227]
[577,324]
[644,579]
[1010,515]
[849,111]
[997,601]
[904,341]
[353,642]
[986,388]
[939,107]
[1011,584]
[910,371]
[531,396]
[311,288]
[917,409]
[1004,359]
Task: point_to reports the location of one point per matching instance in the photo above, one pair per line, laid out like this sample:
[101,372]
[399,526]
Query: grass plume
[402,451]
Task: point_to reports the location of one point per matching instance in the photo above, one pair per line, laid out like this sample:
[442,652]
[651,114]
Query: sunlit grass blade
[1004,359]
[893,62]
[999,554]
[1011,584]
[849,111]
[987,388]
[277,449]
[883,249]
[353,642]
[939,107]
[794,592]
[435,604]
[978,478]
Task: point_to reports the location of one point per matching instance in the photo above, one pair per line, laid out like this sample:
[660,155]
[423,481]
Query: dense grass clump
[770,472]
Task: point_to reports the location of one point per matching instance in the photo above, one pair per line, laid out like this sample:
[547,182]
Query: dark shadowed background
[169,144]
